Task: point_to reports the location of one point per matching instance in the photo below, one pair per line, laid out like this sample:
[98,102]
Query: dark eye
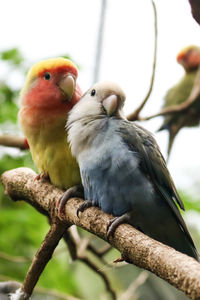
[47,76]
[93,92]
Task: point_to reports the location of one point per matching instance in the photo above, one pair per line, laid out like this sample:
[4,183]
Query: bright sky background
[42,29]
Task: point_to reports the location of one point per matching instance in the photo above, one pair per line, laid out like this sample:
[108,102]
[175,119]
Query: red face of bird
[189,58]
[51,84]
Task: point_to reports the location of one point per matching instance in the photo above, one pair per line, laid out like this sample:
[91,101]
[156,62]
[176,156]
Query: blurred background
[36,30]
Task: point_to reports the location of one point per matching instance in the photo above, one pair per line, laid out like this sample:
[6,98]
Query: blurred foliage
[12,56]
[8,95]
[189,203]
[23,228]
[7,102]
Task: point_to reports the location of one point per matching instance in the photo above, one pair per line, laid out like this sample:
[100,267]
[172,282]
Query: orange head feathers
[49,93]
[51,84]
[189,58]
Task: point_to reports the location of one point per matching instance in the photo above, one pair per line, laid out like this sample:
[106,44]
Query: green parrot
[189,115]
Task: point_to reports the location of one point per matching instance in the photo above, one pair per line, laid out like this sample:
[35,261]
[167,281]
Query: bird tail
[164,126]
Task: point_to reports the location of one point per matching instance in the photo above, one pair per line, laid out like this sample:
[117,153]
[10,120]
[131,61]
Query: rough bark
[176,268]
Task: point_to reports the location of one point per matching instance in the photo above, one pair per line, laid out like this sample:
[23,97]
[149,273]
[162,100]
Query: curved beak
[110,104]
[67,85]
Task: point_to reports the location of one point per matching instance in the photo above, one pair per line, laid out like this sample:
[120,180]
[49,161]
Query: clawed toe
[61,204]
[115,222]
[42,176]
[75,191]
[86,204]
[112,225]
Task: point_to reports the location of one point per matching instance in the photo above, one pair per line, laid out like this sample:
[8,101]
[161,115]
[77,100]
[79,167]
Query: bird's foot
[75,191]
[115,222]
[86,204]
[42,176]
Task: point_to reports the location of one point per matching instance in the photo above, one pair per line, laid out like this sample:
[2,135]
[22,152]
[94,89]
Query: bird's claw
[86,204]
[115,222]
[42,176]
[61,204]
[75,191]
[111,227]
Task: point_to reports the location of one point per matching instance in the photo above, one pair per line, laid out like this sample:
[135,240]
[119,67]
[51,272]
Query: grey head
[102,100]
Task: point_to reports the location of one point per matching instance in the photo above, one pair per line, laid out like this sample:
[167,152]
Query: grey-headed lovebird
[189,58]
[123,171]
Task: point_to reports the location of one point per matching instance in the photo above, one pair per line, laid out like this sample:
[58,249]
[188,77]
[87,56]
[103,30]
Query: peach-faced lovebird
[189,58]
[122,169]
[49,93]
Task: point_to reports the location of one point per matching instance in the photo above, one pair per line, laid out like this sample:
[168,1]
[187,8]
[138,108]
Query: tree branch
[182,107]
[43,256]
[100,252]
[15,259]
[13,141]
[178,269]
[75,245]
[140,280]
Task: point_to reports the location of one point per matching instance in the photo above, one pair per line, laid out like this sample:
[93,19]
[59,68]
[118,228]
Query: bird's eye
[93,92]
[47,76]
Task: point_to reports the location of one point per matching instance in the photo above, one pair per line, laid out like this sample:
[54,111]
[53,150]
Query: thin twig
[71,244]
[15,259]
[100,252]
[170,110]
[73,239]
[78,249]
[82,246]
[180,108]
[135,115]
[95,268]
[134,285]
[55,293]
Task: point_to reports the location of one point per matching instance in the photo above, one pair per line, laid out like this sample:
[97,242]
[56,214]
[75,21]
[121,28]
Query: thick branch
[178,269]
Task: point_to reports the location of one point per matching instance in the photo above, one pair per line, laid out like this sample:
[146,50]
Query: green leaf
[13,56]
